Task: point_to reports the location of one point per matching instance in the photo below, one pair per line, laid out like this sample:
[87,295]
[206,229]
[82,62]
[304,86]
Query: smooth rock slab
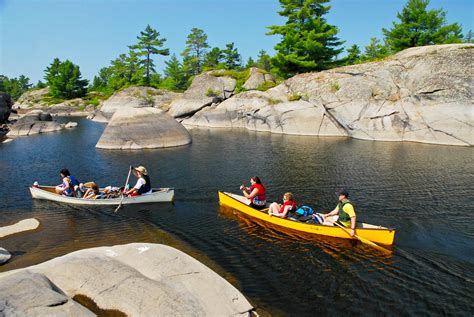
[20,226]
[32,294]
[143,279]
[142,128]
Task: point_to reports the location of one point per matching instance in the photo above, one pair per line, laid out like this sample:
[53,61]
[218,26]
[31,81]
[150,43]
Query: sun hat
[141,169]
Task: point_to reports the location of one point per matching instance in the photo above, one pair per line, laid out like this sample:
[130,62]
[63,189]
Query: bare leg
[274,209]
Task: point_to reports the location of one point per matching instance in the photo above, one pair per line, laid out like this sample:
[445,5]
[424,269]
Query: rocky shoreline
[422,94]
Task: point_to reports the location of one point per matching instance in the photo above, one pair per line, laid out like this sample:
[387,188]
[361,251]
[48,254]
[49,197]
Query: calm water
[424,191]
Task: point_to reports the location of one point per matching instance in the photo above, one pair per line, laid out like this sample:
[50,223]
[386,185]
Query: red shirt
[288,203]
[260,199]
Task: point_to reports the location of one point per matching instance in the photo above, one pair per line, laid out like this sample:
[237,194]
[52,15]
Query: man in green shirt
[345,210]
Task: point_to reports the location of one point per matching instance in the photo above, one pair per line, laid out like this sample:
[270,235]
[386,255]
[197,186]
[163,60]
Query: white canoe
[158,195]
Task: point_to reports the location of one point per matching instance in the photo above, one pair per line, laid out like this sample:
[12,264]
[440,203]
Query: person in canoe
[143,185]
[281,210]
[68,184]
[92,191]
[345,210]
[255,193]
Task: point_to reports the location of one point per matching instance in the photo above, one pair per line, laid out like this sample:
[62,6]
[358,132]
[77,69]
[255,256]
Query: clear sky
[93,32]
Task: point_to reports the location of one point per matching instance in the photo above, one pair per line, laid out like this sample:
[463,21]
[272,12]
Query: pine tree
[195,50]
[419,26]
[64,80]
[213,58]
[149,43]
[468,38]
[375,50]
[250,63]
[15,87]
[308,42]
[353,55]
[176,79]
[231,57]
[263,61]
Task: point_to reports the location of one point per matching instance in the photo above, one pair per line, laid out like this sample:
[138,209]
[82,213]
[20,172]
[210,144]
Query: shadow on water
[421,190]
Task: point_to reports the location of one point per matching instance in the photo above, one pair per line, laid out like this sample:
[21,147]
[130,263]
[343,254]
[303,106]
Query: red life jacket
[260,199]
[288,203]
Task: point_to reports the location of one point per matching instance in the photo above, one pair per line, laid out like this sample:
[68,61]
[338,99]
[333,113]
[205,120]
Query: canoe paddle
[125,186]
[363,240]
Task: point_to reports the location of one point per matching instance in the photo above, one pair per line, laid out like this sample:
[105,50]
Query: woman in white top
[143,185]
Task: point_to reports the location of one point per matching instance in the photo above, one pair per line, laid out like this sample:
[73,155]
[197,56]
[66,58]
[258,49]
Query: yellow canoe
[377,234]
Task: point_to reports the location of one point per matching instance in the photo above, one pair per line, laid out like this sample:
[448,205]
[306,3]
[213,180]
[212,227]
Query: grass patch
[240,77]
[212,93]
[335,86]
[273,101]
[266,85]
[294,97]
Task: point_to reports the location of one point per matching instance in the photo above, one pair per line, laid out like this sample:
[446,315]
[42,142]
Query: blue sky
[93,32]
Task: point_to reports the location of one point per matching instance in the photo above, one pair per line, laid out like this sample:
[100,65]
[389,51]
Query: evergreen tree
[375,50]
[213,58]
[64,80]
[40,85]
[468,38]
[250,63]
[231,57]
[195,50]
[419,26]
[176,78]
[15,87]
[353,55]
[264,61]
[149,43]
[308,42]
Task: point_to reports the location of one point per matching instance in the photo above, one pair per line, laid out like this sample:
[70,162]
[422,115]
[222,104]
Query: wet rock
[4,257]
[6,104]
[142,128]
[21,226]
[70,125]
[34,122]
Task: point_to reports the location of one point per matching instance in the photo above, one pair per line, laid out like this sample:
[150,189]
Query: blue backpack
[304,211]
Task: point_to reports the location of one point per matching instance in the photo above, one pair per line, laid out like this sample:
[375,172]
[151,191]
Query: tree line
[307,43]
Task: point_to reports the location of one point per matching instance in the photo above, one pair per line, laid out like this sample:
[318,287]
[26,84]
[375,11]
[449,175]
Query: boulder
[258,77]
[422,94]
[33,294]
[32,99]
[70,125]
[142,128]
[138,97]
[6,104]
[34,122]
[140,279]
[20,226]
[4,257]
[207,88]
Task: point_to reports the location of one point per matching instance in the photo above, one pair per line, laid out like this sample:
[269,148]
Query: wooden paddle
[363,240]
[125,186]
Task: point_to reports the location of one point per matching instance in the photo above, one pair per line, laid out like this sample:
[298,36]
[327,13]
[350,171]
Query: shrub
[335,86]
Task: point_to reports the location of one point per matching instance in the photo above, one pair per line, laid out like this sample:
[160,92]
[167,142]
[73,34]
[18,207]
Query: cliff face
[422,94]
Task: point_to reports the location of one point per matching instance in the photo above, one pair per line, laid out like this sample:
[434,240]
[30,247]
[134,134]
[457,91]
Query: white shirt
[141,182]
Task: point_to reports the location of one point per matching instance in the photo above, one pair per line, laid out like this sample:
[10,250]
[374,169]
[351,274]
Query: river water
[424,191]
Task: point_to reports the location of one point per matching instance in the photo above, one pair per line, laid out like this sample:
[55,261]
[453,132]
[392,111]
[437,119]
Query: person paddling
[255,193]
[345,210]
[143,185]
